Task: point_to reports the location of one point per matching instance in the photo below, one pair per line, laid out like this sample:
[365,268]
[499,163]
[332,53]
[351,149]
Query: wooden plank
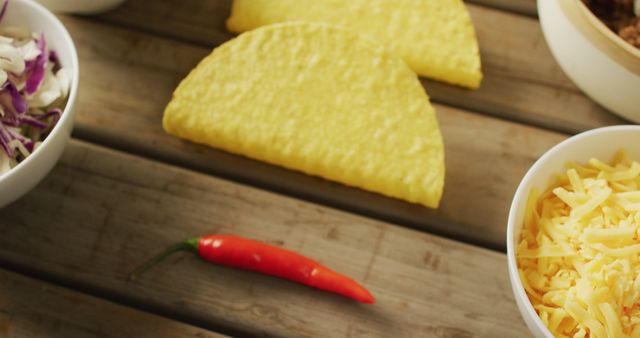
[522,81]
[100,213]
[524,7]
[31,308]
[128,77]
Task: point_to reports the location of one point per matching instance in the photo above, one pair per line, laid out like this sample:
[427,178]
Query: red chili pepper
[252,255]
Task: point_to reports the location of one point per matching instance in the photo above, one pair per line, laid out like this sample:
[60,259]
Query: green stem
[189,245]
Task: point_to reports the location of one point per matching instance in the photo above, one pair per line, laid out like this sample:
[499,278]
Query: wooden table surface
[124,190]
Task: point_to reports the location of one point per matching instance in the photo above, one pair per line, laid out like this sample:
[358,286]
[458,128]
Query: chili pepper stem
[188,245]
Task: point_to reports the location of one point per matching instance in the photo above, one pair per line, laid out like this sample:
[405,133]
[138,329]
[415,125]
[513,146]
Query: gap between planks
[436,225]
[128,76]
[522,81]
[65,283]
[31,307]
[100,212]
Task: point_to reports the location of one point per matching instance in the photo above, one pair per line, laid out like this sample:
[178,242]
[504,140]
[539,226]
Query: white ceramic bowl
[597,60]
[22,178]
[81,6]
[600,143]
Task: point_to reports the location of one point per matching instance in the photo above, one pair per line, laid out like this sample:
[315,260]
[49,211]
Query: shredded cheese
[579,251]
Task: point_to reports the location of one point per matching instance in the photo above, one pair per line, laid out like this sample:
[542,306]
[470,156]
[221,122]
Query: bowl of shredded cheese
[573,237]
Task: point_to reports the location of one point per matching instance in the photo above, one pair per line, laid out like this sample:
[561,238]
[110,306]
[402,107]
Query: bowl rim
[73,90]
[600,36]
[521,195]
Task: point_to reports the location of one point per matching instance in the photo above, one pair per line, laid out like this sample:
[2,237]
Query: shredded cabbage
[33,91]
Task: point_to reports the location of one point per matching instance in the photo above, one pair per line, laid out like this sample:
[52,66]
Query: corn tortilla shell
[435,37]
[317,99]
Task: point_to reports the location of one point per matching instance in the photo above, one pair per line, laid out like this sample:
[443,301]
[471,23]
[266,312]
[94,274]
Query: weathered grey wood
[100,213]
[522,81]
[30,308]
[127,79]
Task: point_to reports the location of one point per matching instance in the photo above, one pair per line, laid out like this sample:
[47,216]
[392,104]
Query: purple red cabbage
[56,112]
[37,68]
[19,105]
[28,143]
[28,120]
[5,139]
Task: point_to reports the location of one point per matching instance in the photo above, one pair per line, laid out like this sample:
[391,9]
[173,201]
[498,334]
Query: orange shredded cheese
[579,252]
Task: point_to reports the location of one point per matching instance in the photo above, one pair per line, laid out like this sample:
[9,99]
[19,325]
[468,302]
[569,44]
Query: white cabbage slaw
[33,91]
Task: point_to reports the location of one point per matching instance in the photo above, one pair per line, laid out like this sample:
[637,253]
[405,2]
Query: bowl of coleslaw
[38,89]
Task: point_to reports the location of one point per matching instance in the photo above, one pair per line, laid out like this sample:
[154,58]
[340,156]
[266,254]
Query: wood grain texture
[31,308]
[127,79]
[100,213]
[524,7]
[522,81]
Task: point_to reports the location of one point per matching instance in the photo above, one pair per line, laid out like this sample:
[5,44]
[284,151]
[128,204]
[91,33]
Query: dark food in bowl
[619,16]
